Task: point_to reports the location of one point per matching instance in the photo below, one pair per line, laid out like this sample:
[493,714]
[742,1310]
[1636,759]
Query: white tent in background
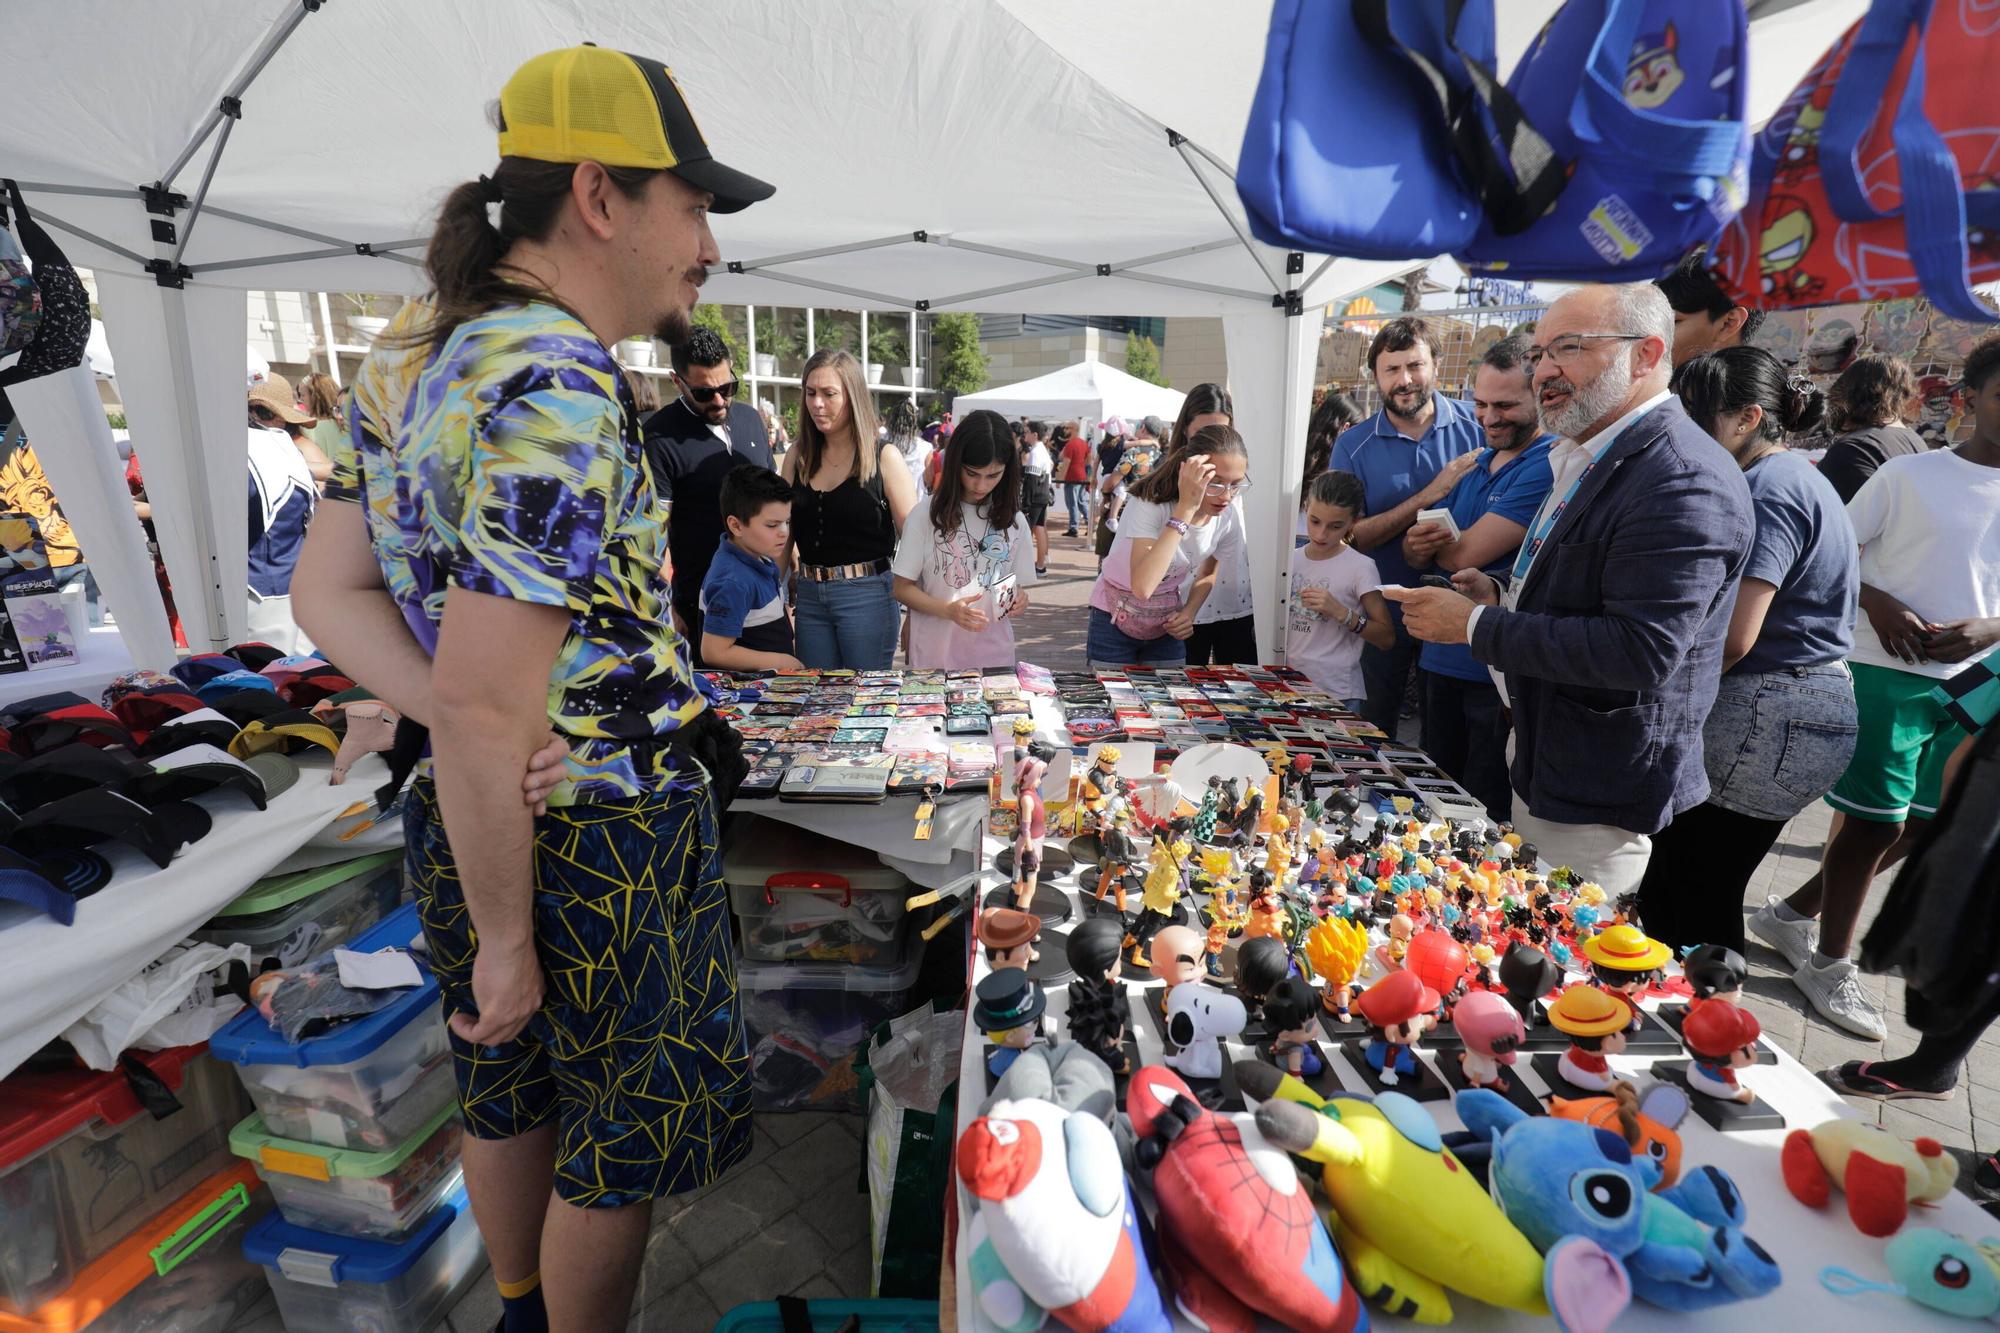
[190,151]
[1088,391]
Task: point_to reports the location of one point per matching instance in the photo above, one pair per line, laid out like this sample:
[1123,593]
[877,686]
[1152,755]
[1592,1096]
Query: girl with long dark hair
[962,567]
[1225,631]
[1335,413]
[1783,725]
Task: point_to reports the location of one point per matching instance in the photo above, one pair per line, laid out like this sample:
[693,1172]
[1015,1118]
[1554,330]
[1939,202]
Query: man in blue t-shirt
[1408,456]
[1464,723]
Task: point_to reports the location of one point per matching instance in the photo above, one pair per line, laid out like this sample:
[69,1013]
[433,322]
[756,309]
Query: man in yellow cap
[488,561]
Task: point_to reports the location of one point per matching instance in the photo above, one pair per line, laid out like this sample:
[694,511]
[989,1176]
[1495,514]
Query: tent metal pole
[1029,285]
[94,191]
[1206,247]
[1258,297]
[1314,276]
[201,193]
[1022,255]
[286,25]
[880,298]
[91,236]
[326,324]
[1186,148]
[181,363]
[797,256]
[334,252]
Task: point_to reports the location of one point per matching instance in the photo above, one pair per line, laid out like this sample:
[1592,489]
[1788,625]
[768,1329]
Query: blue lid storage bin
[370,1083]
[323,1281]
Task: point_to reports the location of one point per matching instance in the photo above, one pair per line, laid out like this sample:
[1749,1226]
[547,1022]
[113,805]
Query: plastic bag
[183,997]
[306,1001]
[909,1070]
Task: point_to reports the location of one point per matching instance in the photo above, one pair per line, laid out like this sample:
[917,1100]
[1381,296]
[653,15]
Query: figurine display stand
[1056,861]
[1517,1090]
[1672,1014]
[1542,1034]
[1326,1082]
[1051,904]
[1052,968]
[1422,1086]
[1652,1037]
[1354,1029]
[1721,1114]
[1548,1068]
[1330,1081]
[1085,849]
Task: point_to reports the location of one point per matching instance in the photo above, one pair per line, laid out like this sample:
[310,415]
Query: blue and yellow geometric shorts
[638,1051]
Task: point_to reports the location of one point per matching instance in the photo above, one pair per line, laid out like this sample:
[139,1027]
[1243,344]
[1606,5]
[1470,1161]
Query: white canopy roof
[1089,391]
[993,155]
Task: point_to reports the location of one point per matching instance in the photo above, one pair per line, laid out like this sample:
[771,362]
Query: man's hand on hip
[507,988]
[1433,614]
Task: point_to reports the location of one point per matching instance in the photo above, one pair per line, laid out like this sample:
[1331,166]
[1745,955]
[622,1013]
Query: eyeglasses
[1566,348]
[1228,487]
[702,395]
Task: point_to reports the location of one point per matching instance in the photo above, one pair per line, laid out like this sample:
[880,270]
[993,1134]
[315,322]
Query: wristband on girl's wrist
[1177,524]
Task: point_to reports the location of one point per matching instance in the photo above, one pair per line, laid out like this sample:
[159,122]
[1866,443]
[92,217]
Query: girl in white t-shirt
[965,559]
[1335,607]
[1178,522]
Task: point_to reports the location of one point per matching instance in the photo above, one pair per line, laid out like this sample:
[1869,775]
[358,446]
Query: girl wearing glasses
[961,566]
[1179,523]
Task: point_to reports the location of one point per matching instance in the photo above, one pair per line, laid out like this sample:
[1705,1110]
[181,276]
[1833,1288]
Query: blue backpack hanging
[1380,132]
[1645,101]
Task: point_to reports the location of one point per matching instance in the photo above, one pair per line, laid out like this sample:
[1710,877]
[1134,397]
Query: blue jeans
[1108,646]
[1776,741]
[851,623]
[1079,507]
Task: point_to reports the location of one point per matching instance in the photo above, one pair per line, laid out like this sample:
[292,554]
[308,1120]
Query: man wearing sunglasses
[693,442]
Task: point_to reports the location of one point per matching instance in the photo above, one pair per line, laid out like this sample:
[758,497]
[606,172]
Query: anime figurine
[1241,1224]
[1057,1228]
[1289,1009]
[1176,955]
[1491,1031]
[1121,855]
[1936,1269]
[1278,850]
[1594,1021]
[1209,813]
[1267,909]
[1336,948]
[1031,761]
[1440,963]
[1245,821]
[1160,896]
[1623,960]
[1101,786]
[1217,940]
[1414,1222]
[1097,1012]
[1721,1039]
[1008,1008]
[1391,952]
[1880,1174]
[1261,963]
[1400,1009]
[1198,1018]
[1009,937]
[1715,972]
[1647,1118]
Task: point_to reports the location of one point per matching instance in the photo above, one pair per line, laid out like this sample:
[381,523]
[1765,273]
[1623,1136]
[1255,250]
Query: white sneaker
[1796,940]
[1835,990]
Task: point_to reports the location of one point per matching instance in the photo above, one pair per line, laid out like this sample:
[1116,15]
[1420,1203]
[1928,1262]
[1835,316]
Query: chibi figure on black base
[1292,1011]
[1399,1009]
[1624,960]
[1492,1032]
[1261,964]
[1720,1039]
[1594,1022]
[1008,1008]
[1715,972]
[1097,1012]
[1008,937]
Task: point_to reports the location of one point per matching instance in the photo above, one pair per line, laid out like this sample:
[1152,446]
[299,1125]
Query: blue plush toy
[1683,1247]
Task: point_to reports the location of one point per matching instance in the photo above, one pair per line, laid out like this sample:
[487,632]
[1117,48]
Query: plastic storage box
[287,919]
[337,1282]
[370,1083]
[372,1196]
[801,897]
[183,1271]
[83,1162]
[805,1022]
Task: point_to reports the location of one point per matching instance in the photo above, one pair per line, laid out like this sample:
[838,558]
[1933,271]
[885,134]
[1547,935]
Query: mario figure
[1720,1039]
[1400,1009]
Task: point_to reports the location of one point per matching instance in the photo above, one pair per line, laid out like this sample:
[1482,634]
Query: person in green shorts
[489,561]
[1929,528]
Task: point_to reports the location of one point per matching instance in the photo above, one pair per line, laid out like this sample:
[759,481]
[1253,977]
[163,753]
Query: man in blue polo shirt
[1464,727]
[1408,456]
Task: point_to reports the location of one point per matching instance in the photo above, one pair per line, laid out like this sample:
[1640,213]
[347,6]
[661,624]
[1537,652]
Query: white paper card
[1443,518]
[386,969]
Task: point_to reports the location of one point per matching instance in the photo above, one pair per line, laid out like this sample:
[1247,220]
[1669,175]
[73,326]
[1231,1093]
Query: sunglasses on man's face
[705,395]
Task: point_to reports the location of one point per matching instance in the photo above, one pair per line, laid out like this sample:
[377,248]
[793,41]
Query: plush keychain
[1934,1268]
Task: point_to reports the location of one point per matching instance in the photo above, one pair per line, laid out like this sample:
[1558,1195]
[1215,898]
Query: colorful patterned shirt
[509,462]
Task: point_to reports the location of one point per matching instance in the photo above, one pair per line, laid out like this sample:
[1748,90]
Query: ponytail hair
[1735,378]
[482,219]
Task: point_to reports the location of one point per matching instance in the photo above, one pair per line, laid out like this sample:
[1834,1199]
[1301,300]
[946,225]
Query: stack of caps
[76,775]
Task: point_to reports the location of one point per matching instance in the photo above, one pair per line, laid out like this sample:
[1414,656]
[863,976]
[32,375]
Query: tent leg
[181,365]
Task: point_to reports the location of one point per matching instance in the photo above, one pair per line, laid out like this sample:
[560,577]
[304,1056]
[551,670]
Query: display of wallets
[859,735]
[966,724]
[860,778]
[765,775]
[914,772]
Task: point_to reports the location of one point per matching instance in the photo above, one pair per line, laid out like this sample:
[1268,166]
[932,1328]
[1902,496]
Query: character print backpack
[1879,177]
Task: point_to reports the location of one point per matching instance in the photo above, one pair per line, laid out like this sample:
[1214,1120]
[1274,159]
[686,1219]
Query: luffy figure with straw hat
[1623,960]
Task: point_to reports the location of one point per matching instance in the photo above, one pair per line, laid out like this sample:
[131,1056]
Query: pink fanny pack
[1144,618]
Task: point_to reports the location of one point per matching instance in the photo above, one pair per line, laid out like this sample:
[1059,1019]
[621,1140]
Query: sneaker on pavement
[1835,990]
[1794,939]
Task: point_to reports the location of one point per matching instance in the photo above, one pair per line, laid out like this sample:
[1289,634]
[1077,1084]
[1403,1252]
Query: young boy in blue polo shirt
[745,626]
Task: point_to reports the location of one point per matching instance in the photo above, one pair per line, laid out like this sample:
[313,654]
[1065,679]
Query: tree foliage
[1142,361]
[961,365]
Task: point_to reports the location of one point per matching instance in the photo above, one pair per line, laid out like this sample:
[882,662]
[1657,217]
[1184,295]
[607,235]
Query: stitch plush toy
[1684,1247]
[1237,1228]
[1881,1175]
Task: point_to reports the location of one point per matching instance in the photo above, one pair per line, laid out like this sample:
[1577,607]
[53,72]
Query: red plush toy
[1237,1227]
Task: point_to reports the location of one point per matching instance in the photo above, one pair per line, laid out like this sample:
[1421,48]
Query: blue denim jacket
[1614,649]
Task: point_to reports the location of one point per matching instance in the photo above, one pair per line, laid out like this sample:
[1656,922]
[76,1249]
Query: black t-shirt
[1853,458]
[1108,454]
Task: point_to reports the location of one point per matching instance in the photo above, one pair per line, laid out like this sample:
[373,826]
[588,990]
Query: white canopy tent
[1088,391]
[1029,156]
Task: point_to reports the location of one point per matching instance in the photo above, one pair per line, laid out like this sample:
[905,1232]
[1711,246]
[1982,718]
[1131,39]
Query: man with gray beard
[1606,634]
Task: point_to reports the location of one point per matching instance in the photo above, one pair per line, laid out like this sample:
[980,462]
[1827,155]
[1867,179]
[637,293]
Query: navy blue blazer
[1614,649]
